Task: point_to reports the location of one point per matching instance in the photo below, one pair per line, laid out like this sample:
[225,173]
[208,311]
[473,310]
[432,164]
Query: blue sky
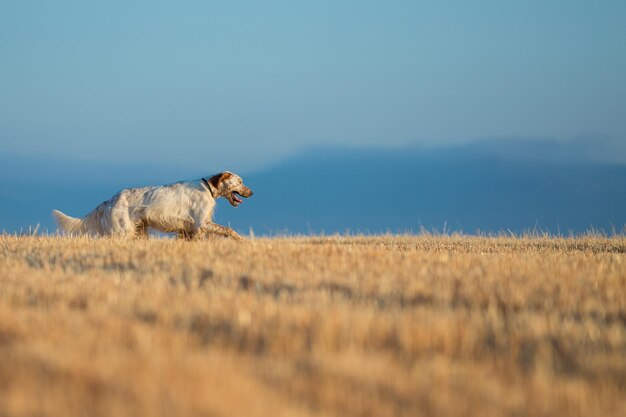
[237,84]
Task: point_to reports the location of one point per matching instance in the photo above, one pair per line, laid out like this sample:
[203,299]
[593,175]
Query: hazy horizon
[488,186]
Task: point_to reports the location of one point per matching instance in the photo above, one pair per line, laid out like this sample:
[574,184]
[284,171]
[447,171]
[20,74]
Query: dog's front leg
[217,229]
[187,234]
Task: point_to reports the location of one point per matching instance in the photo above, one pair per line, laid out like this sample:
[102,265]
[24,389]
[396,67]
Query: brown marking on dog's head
[228,185]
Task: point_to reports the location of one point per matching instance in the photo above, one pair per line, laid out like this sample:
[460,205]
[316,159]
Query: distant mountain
[466,188]
[488,186]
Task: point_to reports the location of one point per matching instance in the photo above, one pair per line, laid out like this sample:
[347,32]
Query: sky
[240,85]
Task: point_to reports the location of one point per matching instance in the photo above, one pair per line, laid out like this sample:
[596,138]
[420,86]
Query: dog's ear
[215,181]
[213,184]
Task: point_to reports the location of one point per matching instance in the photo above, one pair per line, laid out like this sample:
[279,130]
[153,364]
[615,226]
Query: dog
[185,208]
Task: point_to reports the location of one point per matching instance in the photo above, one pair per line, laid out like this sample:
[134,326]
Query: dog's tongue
[237,199]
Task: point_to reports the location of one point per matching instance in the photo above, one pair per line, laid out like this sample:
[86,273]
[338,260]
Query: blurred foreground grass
[433,326]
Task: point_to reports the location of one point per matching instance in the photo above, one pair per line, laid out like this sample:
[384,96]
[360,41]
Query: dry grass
[433,326]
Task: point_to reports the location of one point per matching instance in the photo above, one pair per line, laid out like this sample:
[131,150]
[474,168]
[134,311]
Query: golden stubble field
[432,326]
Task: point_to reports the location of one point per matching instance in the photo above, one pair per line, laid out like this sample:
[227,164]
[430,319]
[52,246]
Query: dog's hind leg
[141,229]
[122,225]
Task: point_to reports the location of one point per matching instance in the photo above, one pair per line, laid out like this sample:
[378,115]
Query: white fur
[184,207]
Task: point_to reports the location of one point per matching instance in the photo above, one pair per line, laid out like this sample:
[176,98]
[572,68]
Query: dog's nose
[251,193]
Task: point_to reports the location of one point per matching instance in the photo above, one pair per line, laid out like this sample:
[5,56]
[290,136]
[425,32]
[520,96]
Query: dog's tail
[69,224]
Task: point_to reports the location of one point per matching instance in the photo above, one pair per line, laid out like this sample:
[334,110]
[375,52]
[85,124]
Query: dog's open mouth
[236,200]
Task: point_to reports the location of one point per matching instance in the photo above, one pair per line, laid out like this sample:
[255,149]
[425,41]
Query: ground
[336,326]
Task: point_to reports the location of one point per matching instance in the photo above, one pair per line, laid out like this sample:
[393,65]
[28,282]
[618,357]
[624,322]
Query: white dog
[185,208]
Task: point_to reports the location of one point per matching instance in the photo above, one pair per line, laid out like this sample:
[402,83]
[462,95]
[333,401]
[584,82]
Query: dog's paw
[236,236]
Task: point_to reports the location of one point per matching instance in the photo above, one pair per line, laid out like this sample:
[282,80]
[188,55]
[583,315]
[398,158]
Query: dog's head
[229,186]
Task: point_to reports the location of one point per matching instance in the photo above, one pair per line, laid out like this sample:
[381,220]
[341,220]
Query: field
[335,326]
